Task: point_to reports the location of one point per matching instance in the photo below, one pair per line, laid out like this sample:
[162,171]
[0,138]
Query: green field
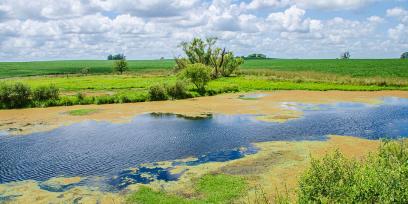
[101,86]
[353,68]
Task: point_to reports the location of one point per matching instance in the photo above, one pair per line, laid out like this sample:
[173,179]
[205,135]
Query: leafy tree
[198,74]
[256,56]
[345,55]
[222,62]
[120,66]
[116,57]
[404,55]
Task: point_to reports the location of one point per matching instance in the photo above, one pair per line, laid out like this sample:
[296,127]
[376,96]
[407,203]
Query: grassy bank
[381,177]
[354,68]
[106,89]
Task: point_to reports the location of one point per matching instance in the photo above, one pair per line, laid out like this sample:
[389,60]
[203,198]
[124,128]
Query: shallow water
[105,149]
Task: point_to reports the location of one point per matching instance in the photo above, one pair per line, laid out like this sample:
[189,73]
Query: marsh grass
[320,77]
[82,112]
[381,178]
[211,188]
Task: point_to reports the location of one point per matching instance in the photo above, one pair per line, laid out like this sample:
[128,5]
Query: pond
[116,152]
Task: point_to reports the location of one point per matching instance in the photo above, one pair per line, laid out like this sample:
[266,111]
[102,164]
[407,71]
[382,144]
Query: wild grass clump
[381,178]
[19,95]
[212,188]
[157,93]
[178,90]
[44,93]
[15,95]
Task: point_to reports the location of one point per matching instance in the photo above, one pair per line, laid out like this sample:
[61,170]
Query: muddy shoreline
[26,121]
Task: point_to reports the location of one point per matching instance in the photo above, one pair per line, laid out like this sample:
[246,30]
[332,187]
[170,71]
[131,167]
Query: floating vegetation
[81,112]
[252,96]
[142,175]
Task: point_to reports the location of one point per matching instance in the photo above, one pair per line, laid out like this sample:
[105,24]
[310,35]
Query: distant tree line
[256,56]
[404,55]
[116,57]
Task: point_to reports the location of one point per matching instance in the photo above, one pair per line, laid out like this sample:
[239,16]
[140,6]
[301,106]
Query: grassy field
[393,68]
[102,87]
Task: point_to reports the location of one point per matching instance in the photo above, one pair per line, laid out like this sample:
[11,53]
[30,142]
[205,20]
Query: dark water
[105,149]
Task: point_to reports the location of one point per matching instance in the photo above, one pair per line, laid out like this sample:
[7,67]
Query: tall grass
[381,178]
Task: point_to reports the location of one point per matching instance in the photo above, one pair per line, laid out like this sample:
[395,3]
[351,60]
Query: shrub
[157,93]
[381,178]
[199,75]
[120,66]
[177,91]
[80,96]
[45,93]
[15,96]
[85,70]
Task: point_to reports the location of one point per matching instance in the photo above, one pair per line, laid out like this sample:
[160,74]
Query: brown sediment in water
[25,121]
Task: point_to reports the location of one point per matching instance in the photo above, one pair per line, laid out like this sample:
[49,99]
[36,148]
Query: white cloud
[48,29]
[333,4]
[290,20]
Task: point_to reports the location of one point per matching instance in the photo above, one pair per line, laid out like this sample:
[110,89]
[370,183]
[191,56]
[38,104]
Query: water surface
[105,149]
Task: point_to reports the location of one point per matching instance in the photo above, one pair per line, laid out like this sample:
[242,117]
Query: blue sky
[150,29]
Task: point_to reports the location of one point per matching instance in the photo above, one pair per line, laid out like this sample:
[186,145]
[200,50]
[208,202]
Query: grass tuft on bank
[211,188]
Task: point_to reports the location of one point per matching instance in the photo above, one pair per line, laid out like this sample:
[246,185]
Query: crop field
[393,68]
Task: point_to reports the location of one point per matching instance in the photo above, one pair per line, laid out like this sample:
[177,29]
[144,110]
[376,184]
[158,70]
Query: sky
[150,29]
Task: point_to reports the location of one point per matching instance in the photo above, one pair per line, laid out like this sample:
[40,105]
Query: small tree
[404,55]
[85,70]
[345,55]
[120,66]
[223,62]
[198,74]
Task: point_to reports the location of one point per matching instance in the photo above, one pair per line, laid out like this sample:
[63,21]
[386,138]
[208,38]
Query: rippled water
[106,149]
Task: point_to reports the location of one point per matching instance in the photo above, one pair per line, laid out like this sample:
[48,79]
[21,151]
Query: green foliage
[198,74]
[404,55]
[177,90]
[157,93]
[218,188]
[345,55]
[81,112]
[381,178]
[120,66]
[14,96]
[198,51]
[256,56]
[80,96]
[44,93]
[85,70]
[116,57]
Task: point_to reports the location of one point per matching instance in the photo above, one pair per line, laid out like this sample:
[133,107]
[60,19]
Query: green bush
[157,93]
[16,95]
[120,66]
[45,93]
[198,74]
[381,178]
[177,91]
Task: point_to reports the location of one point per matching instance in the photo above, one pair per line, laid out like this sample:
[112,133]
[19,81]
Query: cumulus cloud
[47,29]
[333,4]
